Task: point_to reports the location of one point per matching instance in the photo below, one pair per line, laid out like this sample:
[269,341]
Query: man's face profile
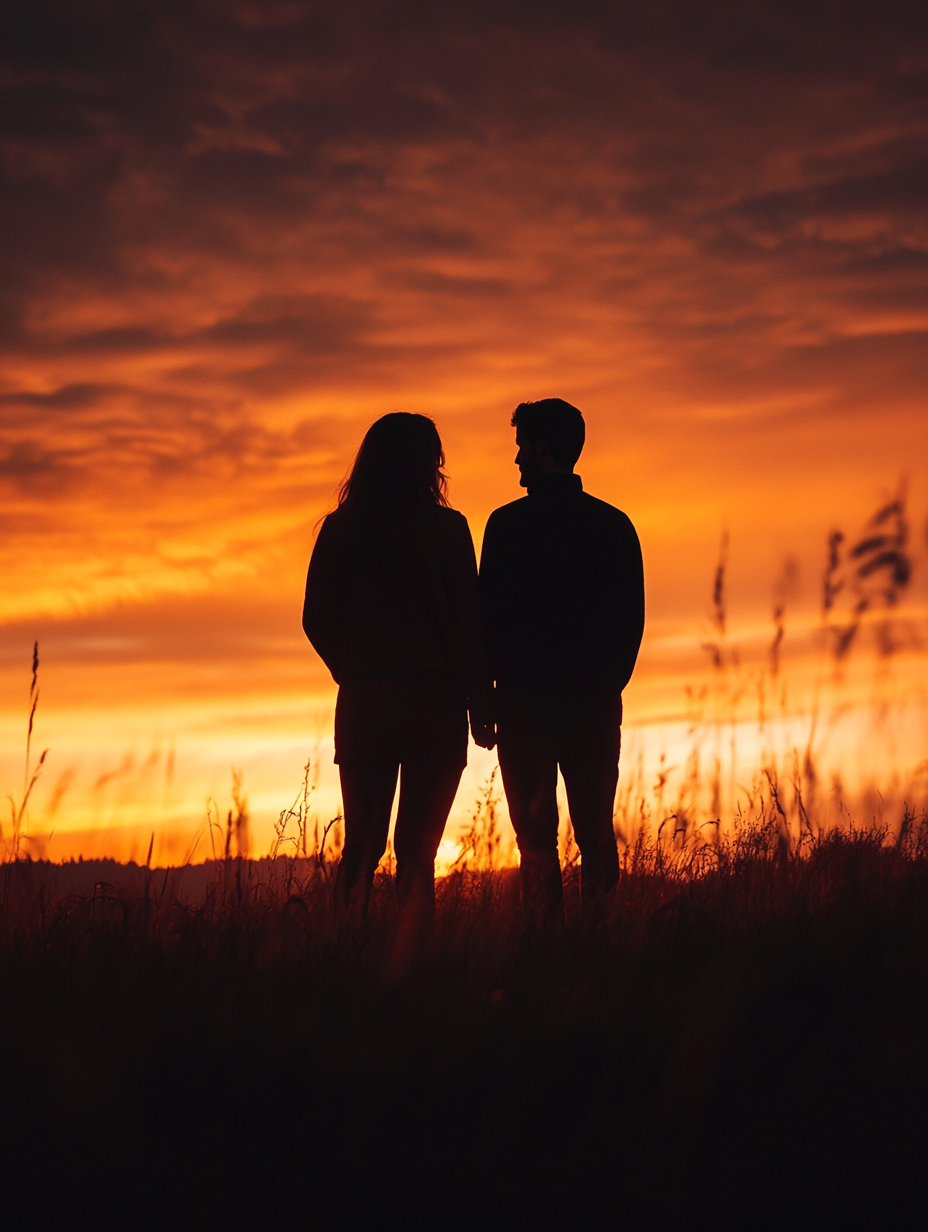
[533,460]
[523,459]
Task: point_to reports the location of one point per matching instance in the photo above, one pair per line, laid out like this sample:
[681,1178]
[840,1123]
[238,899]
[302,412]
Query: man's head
[550,435]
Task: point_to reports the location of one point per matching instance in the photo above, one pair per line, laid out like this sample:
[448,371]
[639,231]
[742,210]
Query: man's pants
[535,736]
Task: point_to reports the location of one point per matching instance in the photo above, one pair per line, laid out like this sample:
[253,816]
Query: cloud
[238,232]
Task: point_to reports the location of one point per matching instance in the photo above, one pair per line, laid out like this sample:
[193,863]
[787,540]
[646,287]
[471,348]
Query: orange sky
[239,232]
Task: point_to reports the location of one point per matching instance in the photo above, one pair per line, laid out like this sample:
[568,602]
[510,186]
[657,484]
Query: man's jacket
[562,593]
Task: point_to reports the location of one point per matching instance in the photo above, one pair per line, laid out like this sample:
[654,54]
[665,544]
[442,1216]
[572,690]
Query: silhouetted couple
[415,642]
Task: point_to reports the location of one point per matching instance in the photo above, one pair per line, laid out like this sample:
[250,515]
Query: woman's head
[398,468]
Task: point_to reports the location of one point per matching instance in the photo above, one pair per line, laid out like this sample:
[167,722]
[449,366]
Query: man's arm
[631,602]
[490,568]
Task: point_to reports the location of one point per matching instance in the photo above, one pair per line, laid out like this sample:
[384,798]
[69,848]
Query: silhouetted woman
[392,608]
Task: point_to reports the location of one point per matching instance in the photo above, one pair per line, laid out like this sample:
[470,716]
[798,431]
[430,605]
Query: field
[740,1044]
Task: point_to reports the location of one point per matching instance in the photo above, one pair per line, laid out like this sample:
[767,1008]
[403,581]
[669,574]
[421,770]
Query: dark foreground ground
[742,1049]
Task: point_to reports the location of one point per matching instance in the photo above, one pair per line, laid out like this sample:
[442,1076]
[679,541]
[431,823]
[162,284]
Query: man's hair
[555,421]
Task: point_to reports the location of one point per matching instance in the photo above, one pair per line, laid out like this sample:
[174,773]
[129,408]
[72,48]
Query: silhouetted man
[562,591]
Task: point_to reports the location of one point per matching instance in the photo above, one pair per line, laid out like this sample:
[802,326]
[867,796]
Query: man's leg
[528,763]
[427,792]
[367,797]
[589,762]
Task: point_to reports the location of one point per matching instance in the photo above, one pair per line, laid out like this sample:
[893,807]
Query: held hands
[482,723]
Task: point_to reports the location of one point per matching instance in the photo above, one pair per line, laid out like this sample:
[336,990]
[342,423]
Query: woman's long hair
[398,471]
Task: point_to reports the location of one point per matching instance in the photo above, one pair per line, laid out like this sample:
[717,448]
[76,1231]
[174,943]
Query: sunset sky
[236,233]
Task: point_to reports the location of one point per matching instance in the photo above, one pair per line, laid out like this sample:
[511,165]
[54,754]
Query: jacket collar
[555,486]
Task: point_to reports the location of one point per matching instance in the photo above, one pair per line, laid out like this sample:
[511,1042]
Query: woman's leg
[427,791]
[367,797]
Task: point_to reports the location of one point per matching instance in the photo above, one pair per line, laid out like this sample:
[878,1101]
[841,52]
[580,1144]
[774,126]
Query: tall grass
[11,846]
[740,1043]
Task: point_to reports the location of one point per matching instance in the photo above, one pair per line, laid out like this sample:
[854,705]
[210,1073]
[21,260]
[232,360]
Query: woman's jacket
[397,599]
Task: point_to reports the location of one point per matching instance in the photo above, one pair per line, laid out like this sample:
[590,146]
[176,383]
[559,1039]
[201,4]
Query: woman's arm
[322,616]
[459,577]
